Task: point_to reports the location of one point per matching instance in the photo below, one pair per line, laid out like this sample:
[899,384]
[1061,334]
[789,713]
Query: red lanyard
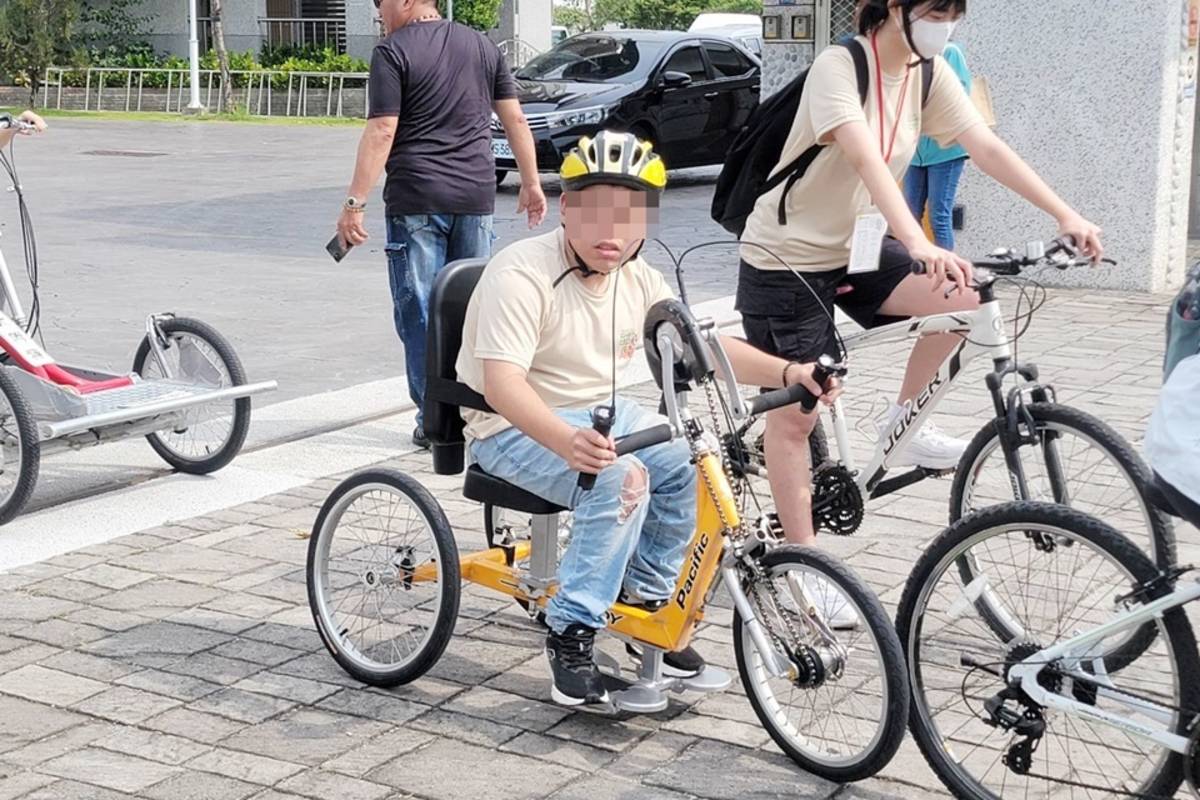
[887,154]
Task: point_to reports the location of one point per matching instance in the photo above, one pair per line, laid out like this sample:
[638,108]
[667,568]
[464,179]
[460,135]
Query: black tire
[231,445]
[1158,538]
[894,684]
[28,444]
[445,558]
[501,174]
[1022,516]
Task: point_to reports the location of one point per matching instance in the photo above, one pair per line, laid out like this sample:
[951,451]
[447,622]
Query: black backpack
[750,165]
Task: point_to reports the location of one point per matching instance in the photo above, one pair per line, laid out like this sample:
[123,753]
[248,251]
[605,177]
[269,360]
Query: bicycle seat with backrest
[445,395]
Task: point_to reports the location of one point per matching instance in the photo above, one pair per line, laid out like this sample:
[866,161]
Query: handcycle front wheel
[839,717]
[213,434]
[1057,573]
[1076,460]
[383,577]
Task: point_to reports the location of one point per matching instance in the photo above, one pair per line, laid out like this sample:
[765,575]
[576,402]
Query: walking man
[433,87]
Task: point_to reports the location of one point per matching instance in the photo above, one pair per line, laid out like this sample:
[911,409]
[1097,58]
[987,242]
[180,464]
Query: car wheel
[501,174]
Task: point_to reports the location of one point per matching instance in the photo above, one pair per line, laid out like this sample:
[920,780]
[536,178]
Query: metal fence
[304,32]
[518,53]
[257,92]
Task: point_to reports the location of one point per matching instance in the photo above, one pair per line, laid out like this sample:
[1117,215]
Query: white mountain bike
[1047,712]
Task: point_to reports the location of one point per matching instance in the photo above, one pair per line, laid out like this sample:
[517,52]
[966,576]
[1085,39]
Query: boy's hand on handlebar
[589,452]
[1085,235]
[942,265]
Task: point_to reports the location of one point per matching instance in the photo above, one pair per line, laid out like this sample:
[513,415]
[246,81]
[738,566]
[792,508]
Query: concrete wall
[1094,99]
[527,20]
[1097,99]
[362,32]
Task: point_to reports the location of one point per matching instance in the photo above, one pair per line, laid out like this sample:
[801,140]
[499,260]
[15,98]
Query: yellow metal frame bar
[669,628]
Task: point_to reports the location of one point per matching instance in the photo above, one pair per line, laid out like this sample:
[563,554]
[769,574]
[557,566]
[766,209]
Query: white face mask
[930,38]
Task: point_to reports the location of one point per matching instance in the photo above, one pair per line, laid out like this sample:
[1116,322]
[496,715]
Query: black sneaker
[576,681]
[685,663]
[419,438]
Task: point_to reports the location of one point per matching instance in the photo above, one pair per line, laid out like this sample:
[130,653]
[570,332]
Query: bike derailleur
[837,500]
[1025,721]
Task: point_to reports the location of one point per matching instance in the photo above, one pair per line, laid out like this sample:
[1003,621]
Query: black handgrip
[644,438]
[919,267]
[778,398]
[602,423]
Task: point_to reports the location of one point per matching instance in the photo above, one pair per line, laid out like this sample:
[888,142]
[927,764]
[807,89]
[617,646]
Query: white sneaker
[831,604]
[929,447]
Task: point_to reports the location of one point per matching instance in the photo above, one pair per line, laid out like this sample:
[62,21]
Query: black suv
[688,93]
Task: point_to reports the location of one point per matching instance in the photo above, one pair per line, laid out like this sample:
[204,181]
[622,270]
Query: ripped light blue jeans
[620,536]
[418,246]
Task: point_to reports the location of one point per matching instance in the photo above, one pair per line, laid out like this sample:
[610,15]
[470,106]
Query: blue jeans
[938,184]
[618,536]
[418,246]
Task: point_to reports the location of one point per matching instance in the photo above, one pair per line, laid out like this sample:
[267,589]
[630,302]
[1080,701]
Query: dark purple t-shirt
[441,79]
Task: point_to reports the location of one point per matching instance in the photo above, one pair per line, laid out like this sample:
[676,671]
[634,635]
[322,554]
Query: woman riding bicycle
[846,189]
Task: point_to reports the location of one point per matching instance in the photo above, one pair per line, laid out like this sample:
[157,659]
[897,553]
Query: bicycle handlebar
[646,437]
[1008,262]
[9,121]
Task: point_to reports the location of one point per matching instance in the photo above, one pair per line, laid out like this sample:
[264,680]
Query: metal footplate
[145,399]
[648,692]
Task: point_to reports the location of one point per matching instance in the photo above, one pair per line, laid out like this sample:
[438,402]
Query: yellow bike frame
[670,627]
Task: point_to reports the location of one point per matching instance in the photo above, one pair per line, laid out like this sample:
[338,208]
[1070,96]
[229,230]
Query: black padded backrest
[444,395]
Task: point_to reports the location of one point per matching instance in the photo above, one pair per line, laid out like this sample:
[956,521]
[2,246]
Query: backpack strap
[796,170]
[862,70]
[926,81]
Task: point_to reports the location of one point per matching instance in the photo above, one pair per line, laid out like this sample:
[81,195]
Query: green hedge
[281,59]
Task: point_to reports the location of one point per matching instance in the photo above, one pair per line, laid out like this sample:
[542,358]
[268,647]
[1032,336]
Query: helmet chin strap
[584,270]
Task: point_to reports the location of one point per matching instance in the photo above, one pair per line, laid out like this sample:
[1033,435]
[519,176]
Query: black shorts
[784,317]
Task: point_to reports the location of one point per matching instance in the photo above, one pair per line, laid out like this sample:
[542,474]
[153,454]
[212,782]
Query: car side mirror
[674,80]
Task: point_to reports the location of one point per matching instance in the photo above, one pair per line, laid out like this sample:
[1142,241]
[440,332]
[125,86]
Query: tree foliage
[482,15]
[35,34]
[653,14]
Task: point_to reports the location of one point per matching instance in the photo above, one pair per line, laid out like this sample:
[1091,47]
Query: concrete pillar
[526,20]
[1098,98]
[362,31]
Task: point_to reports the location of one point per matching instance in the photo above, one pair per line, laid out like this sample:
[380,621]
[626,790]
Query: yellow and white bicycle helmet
[613,159]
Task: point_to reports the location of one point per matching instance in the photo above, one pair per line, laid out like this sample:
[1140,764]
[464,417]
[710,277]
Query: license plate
[502,149]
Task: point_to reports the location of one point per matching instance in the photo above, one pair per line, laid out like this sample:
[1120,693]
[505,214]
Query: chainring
[837,500]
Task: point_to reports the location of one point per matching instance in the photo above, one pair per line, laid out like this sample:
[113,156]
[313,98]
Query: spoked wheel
[21,449]
[1075,460]
[840,712]
[1057,573]
[212,434]
[383,577]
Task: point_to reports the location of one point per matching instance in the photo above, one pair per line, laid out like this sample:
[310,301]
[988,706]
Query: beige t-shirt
[823,205]
[563,337]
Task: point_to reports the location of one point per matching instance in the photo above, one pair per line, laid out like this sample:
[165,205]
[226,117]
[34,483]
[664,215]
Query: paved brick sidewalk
[181,662]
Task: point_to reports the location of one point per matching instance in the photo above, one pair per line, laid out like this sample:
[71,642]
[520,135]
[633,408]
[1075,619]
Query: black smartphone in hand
[336,248]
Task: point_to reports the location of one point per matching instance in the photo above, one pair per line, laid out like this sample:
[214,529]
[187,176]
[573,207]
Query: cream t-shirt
[563,337]
[823,205]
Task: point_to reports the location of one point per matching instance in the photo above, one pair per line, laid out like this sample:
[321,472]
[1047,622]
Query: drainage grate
[125,153]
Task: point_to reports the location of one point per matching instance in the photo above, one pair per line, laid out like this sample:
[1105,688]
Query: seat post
[543,551]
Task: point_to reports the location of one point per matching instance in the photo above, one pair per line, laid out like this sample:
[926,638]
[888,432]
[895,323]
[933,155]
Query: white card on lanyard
[866,244]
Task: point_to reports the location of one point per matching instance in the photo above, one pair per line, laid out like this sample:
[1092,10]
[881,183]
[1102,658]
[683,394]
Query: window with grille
[841,19]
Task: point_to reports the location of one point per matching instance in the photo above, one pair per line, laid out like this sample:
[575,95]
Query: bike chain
[757,573]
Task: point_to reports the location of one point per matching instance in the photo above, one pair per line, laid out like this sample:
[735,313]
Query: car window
[688,60]
[593,59]
[726,61]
